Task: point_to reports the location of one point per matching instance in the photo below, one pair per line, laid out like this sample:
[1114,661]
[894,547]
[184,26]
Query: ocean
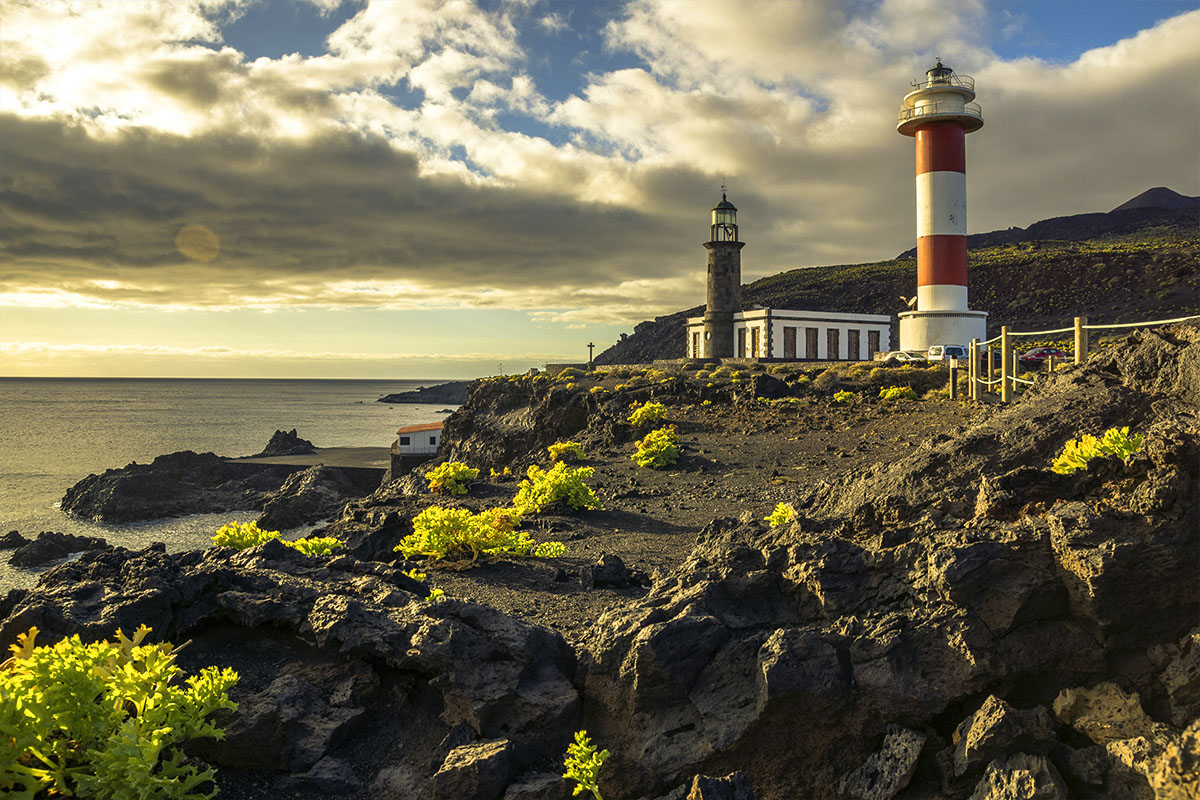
[55,431]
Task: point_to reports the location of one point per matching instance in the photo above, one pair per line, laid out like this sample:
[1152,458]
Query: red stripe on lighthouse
[942,260]
[941,147]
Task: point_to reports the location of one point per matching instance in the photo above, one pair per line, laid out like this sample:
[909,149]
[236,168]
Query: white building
[800,335]
[418,440]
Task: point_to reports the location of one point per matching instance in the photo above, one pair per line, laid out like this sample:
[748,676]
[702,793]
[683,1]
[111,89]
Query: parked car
[1039,355]
[945,352]
[902,356]
[990,352]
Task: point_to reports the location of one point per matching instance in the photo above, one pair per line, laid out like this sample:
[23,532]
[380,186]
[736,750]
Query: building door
[695,345]
[741,351]
[810,344]
[852,345]
[872,343]
[754,343]
[834,350]
[789,342]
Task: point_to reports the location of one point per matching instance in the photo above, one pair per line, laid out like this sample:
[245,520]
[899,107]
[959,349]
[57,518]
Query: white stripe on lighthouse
[942,297]
[942,204]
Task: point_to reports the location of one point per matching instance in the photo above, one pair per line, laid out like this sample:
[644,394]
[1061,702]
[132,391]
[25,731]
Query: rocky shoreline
[945,618]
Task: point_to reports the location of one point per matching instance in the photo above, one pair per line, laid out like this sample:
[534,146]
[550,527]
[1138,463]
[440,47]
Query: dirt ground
[734,460]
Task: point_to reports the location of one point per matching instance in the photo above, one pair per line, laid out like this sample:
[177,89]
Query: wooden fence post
[1081,339]
[973,370]
[954,379]
[1005,393]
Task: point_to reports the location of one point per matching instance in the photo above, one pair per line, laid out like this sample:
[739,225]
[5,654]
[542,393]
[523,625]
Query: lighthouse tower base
[920,330]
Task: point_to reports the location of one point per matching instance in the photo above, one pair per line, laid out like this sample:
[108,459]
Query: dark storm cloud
[341,207]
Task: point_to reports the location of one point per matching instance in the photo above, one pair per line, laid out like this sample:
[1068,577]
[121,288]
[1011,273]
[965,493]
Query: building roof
[424,426]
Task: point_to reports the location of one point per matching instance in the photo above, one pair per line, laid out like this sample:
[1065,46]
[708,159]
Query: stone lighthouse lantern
[724,280]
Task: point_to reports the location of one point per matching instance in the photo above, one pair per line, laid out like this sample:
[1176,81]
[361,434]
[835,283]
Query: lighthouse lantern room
[938,113]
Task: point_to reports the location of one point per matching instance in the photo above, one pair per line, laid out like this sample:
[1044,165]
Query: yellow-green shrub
[441,533]
[783,514]
[897,393]
[657,449]
[542,487]
[566,451]
[240,535]
[316,545]
[450,477]
[845,397]
[647,414]
[1076,454]
[105,720]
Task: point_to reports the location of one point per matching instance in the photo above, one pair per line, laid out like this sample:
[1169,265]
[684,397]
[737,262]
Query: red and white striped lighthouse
[938,112]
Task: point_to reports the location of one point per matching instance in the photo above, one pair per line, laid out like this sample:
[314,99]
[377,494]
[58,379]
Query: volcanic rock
[12,539]
[1022,777]
[734,786]
[50,546]
[888,771]
[453,393]
[316,493]
[171,485]
[326,647]
[287,443]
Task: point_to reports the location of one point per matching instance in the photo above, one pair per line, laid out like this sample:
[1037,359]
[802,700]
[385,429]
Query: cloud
[417,164]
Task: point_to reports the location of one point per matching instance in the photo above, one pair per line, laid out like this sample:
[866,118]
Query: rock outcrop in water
[171,486]
[453,393]
[203,483]
[50,546]
[959,622]
[288,443]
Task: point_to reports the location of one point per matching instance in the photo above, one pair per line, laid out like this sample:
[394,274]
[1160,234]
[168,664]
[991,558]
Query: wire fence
[1009,366]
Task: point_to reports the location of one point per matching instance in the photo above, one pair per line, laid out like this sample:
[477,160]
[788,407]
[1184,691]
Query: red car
[1039,355]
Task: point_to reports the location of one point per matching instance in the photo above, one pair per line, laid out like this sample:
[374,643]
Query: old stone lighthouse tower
[724,281]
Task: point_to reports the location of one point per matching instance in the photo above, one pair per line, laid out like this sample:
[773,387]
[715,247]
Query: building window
[433,440]
[404,441]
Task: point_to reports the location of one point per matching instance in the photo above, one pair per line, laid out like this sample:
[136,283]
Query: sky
[429,189]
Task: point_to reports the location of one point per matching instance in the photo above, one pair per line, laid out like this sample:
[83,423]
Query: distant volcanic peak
[1160,197]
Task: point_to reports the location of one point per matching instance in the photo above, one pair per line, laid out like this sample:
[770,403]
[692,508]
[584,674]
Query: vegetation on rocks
[897,393]
[450,477]
[457,533]
[1077,453]
[241,535]
[559,483]
[657,449]
[647,414]
[566,451]
[105,720]
[583,764]
[845,396]
[784,514]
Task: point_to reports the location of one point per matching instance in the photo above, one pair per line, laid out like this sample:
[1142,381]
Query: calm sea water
[55,431]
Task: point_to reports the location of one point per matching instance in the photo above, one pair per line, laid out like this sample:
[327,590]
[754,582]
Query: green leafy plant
[450,477]
[455,533]
[316,545]
[105,720]
[1077,453]
[241,535]
[420,577]
[897,393]
[845,397]
[560,482]
[583,765]
[657,449]
[647,413]
[783,514]
[566,451]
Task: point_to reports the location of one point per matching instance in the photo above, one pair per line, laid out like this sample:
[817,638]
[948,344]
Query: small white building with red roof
[418,440]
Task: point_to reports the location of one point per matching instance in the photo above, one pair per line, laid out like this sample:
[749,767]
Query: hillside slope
[1124,266]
